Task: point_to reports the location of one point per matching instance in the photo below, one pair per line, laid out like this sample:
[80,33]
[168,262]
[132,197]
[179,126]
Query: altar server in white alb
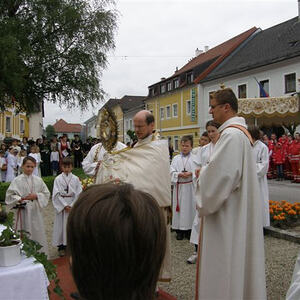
[204,140]
[30,195]
[184,205]
[202,158]
[231,245]
[11,164]
[66,190]
[261,156]
[34,153]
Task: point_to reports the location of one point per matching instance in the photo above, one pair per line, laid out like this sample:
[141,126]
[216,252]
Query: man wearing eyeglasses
[231,256]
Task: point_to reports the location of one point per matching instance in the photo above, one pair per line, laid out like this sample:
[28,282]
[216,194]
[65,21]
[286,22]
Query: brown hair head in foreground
[117,241]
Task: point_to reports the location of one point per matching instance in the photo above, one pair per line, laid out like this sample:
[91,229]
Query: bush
[3,187]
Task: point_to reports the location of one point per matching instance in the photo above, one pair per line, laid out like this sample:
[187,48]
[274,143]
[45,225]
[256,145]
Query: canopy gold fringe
[269,107]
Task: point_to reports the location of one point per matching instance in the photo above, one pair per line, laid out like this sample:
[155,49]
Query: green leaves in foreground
[32,249]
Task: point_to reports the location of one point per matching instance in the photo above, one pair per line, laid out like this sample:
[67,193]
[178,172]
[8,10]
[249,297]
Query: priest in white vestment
[147,167]
[261,157]
[231,248]
[30,218]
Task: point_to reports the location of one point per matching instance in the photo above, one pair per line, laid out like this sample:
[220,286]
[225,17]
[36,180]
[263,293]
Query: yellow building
[176,114]
[176,101]
[13,125]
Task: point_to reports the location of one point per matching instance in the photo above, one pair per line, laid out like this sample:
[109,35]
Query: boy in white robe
[204,140]
[183,208]
[261,156]
[20,161]
[33,153]
[66,190]
[30,194]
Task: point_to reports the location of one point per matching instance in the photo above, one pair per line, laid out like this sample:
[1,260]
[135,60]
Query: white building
[130,106]
[270,57]
[91,127]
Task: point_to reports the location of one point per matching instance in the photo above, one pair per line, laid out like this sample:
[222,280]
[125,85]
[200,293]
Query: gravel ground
[280,261]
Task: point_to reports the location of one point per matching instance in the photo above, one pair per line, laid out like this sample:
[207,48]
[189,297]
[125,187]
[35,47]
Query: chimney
[198,52]
[163,78]
[206,48]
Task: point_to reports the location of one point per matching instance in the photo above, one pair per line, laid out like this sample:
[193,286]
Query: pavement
[284,190]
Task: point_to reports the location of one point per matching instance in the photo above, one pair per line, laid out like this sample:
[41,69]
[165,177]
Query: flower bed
[284,214]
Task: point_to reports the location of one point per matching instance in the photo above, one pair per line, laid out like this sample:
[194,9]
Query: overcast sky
[154,37]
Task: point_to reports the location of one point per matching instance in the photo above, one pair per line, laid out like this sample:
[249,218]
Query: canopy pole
[255,121]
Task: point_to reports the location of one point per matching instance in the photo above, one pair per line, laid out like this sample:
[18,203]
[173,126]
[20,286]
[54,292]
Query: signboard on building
[193,105]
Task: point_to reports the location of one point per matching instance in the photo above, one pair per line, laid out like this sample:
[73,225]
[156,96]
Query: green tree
[50,131]
[54,50]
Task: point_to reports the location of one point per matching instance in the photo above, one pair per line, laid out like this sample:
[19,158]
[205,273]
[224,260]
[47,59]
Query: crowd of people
[48,155]
[121,234]
[284,153]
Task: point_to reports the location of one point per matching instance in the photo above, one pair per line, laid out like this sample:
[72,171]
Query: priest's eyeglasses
[214,106]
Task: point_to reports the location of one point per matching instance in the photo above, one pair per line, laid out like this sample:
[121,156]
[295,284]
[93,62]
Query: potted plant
[10,243]
[9,239]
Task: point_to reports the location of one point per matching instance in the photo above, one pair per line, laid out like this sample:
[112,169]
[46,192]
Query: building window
[188,107]
[8,124]
[265,85]
[176,143]
[242,91]
[22,129]
[162,88]
[189,77]
[290,83]
[175,110]
[169,86]
[151,92]
[168,112]
[176,83]
[162,113]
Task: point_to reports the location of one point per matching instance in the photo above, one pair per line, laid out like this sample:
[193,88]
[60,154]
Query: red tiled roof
[224,50]
[216,54]
[63,126]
